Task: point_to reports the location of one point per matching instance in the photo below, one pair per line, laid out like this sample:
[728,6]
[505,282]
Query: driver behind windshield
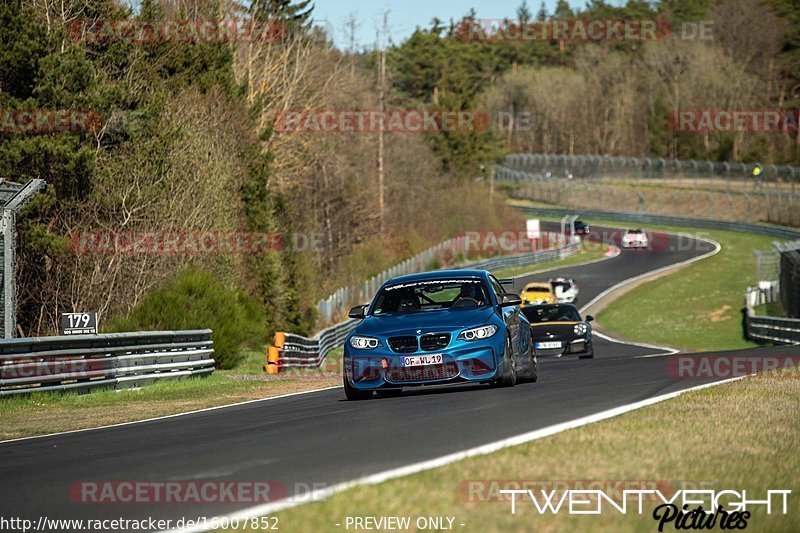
[471,295]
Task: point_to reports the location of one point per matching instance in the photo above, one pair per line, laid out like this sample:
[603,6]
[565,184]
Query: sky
[406,15]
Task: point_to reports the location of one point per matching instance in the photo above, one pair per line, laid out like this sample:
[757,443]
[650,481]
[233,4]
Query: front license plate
[422,360]
[548,345]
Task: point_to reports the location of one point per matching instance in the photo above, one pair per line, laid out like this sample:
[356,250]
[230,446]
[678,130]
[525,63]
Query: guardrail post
[272,367]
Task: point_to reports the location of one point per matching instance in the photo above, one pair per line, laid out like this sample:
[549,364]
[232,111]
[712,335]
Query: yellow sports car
[538,294]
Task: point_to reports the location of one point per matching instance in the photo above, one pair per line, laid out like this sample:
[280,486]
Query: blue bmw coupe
[438,327]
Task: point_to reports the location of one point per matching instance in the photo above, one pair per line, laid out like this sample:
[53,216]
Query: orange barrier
[273,353]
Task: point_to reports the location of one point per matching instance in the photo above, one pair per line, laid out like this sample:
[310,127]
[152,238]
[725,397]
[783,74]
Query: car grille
[406,344]
[423,373]
[436,341]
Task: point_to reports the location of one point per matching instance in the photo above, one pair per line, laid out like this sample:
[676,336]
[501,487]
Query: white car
[635,238]
[566,289]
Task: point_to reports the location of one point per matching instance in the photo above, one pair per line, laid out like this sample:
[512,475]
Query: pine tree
[293,15]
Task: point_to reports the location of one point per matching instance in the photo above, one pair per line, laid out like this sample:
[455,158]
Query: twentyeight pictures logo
[373,121]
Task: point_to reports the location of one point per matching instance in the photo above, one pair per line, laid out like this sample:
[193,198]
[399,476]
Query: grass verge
[42,413]
[741,435]
[704,300]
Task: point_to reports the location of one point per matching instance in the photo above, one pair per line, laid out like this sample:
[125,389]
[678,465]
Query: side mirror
[589,318]
[359,311]
[508,300]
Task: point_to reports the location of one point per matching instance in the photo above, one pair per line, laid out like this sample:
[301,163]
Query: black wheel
[389,393]
[589,355]
[532,372]
[353,394]
[509,375]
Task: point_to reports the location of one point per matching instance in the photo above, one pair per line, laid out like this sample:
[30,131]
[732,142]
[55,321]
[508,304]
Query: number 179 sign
[78,323]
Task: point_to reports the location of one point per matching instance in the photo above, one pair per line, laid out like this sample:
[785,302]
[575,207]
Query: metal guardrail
[704,189]
[768,328]
[301,352]
[779,232]
[86,362]
[587,165]
[295,351]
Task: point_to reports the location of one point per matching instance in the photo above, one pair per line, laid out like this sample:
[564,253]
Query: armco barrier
[779,232]
[295,351]
[84,362]
[774,329]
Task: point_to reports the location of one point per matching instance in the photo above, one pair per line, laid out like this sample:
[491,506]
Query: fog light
[476,366]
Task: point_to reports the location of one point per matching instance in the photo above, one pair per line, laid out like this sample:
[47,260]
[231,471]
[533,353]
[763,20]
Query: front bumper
[383,368]
[635,244]
[575,346]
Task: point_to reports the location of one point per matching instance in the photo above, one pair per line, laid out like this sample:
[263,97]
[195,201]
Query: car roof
[551,305]
[543,284]
[439,274]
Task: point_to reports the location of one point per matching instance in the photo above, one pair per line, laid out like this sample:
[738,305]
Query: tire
[509,376]
[532,372]
[589,355]
[354,394]
[389,393]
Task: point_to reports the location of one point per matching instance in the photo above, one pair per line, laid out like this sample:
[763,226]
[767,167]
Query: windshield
[551,313]
[537,288]
[431,295]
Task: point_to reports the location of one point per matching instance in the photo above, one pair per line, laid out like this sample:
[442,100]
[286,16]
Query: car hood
[552,328]
[424,321]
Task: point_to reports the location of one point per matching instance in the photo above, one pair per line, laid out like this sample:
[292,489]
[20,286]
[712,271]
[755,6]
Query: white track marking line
[666,350]
[380,477]
[171,416]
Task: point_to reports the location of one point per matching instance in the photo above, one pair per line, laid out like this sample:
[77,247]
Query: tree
[294,16]
[524,13]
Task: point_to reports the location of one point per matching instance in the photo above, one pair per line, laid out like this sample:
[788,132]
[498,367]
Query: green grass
[697,308]
[770,309]
[588,253]
[737,436]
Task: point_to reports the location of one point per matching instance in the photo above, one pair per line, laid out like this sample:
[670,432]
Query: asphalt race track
[319,438]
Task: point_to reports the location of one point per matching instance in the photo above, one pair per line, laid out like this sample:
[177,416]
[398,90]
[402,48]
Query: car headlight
[364,343]
[580,328]
[474,334]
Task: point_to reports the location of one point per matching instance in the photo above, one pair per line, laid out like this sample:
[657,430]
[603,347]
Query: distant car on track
[558,330]
[581,228]
[566,289]
[635,238]
[434,328]
[538,293]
